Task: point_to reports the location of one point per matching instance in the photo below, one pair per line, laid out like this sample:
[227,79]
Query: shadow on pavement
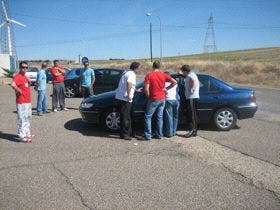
[9,137]
[89,129]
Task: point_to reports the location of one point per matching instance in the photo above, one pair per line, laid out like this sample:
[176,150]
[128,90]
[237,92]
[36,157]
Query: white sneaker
[65,109]
[55,110]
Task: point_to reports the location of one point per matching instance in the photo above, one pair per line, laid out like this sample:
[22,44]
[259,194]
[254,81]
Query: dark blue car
[220,104]
[106,79]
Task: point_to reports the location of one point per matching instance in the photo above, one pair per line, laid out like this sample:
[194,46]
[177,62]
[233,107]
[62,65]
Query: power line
[197,25]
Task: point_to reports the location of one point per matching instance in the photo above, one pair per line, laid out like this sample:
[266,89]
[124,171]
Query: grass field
[259,67]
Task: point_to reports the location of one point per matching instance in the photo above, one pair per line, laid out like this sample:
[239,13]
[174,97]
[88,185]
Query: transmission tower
[210,42]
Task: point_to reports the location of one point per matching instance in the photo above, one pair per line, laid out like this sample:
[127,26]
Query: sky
[103,29]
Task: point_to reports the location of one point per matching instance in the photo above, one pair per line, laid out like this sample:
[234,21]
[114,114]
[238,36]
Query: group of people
[160,88]
[163,101]
[21,84]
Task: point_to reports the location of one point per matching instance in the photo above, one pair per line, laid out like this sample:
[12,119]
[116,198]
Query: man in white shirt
[192,96]
[125,93]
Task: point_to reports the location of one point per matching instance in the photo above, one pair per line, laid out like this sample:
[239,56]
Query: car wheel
[225,119]
[111,120]
[69,92]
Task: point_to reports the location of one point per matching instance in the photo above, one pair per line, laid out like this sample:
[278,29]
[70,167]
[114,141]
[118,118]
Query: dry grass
[259,67]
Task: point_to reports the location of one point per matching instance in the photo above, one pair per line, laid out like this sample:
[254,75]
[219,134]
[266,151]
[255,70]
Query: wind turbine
[8,24]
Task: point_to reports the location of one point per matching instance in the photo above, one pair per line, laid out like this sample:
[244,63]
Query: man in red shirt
[21,85]
[155,91]
[58,96]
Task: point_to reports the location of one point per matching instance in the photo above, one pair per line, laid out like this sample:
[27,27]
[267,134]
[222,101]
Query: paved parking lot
[71,165]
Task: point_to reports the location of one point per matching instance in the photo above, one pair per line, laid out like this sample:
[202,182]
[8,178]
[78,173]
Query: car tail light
[253,96]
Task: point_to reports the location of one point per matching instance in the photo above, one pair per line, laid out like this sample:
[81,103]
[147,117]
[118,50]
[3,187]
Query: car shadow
[9,137]
[89,129]
[97,130]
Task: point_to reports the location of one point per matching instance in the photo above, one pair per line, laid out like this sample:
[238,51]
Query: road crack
[249,181]
[77,192]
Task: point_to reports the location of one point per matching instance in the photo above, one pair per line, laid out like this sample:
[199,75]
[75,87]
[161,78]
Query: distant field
[249,67]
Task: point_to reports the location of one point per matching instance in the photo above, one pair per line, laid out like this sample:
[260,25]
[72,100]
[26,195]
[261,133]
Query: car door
[210,96]
[139,103]
[99,81]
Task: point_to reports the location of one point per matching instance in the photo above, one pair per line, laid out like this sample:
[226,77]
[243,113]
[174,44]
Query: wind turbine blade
[2,25]
[5,11]
[13,21]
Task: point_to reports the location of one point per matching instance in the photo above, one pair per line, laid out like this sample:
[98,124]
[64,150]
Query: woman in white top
[171,110]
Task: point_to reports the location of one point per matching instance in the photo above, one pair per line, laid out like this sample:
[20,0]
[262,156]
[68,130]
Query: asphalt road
[258,137]
[71,165]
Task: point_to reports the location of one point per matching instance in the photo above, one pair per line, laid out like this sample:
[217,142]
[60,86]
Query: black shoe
[143,138]
[191,134]
[127,138]
[40,114]
[46,112]
[157,137]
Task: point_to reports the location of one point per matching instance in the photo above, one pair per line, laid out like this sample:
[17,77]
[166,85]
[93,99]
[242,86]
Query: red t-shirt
[156,81]
[23,83]
[59,78]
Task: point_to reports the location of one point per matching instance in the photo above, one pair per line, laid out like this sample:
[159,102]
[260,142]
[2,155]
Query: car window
[213,87]
[207,85]
[98,72]
[203,84]
[115,72]
[78,72]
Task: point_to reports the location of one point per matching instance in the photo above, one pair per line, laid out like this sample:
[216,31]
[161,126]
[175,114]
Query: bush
[9,73]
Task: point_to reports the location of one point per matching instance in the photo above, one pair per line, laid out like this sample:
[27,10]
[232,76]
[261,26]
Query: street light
[160,28]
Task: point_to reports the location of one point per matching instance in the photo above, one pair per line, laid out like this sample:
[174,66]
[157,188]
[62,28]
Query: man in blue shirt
[41,84]
[88,79]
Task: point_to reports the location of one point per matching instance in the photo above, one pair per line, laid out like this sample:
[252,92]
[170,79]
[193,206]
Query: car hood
[31,74]
[101,96]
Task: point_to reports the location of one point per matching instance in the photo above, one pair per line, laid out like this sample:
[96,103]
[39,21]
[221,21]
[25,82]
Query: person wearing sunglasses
[21,85]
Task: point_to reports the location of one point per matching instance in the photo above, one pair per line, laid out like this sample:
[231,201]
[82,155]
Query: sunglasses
[24,67]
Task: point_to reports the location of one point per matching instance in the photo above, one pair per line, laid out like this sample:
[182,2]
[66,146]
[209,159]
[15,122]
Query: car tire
[69,92]
[225,119]
[111,120]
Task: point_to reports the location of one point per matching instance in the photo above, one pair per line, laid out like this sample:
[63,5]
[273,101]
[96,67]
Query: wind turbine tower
[7,46]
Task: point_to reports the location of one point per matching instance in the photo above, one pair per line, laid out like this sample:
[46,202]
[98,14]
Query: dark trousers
[86,92]
[58,97]
[192,113]
[125,115]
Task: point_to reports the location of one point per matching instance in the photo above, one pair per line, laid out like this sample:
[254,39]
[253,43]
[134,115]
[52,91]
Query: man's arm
[128,89]
[173,83]
[147,90]
[191,85]
[15,87]
[92,80]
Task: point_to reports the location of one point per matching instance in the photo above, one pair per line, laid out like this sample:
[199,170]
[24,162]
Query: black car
[220,104]
[106,79]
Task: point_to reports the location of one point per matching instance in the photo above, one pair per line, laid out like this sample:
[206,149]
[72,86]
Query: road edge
[260,173]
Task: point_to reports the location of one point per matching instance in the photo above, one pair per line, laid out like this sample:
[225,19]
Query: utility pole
[209,41]
[151,42]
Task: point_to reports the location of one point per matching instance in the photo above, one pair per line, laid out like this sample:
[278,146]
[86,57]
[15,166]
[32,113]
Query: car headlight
[86,105]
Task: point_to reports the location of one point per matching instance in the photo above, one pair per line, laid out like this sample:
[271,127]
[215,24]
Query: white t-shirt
[188,93]
[172,93]
[121,92]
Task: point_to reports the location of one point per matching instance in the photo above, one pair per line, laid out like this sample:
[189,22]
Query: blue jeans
[152,107]
[171,116]
[41,101]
